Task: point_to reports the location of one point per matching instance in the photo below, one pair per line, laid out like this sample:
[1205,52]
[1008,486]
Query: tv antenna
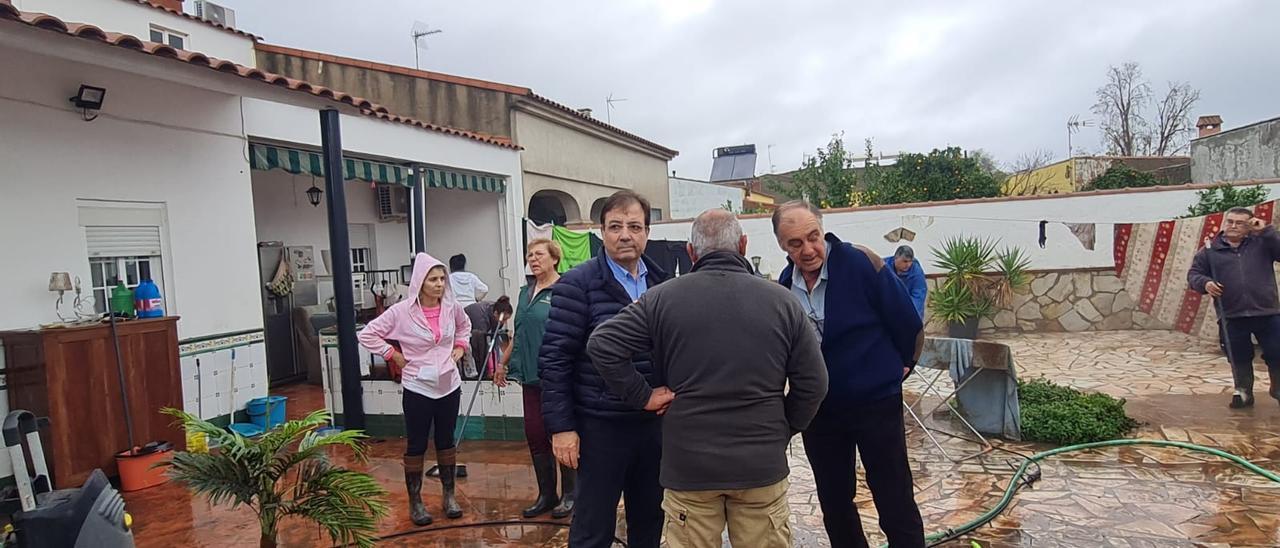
[769,152]
[420,30]
[608,111]
[1074,123]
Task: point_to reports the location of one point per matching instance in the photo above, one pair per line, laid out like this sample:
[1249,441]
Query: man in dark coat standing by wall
[615,448]
[744,374]
[1237,268]
[871,339]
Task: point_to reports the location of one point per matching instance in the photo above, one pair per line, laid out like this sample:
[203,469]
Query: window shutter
[123,241]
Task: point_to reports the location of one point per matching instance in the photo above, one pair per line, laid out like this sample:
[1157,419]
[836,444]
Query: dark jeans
[618,459]
[877,430]
[1240,333]
[534,430]
[421,414]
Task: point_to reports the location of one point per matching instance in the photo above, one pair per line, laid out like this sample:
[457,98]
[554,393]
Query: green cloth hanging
[575,245]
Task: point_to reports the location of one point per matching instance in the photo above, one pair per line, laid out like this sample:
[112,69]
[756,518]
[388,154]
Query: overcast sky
[698,74]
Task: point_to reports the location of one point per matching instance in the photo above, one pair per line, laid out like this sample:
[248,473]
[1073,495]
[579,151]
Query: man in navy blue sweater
[871,338]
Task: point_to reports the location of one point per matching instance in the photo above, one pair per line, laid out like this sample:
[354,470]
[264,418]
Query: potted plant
[285,472]
[978,280]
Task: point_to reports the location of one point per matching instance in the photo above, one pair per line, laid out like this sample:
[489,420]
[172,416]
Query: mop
[499,330]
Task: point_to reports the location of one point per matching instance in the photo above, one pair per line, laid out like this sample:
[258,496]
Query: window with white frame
[106,272]
[162,35]
[123,241]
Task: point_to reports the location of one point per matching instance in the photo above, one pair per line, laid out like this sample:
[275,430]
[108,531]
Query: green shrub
[1122,176]
[1065,416]
[1223,197]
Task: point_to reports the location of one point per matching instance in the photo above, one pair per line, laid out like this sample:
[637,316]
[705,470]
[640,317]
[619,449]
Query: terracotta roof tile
[366,107]
[219,26]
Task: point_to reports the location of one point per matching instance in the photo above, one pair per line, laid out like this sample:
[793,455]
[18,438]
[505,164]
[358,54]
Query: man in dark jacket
[871,338]
[615,447]
[1237,268]
[729,345]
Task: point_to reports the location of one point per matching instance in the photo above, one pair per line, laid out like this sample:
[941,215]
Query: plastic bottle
[122,300]
[147,300]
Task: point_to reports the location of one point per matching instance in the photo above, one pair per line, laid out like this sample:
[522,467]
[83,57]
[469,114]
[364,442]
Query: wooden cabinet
[69,374]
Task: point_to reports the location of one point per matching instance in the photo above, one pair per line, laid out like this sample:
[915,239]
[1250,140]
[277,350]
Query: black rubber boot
[544,468]
[568,480]
[413,483]
[447,460]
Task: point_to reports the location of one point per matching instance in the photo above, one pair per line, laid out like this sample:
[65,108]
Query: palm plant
[978,280]
[285,472]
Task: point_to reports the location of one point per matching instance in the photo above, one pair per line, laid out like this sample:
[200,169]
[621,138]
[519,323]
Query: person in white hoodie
[423,338]
[467,287]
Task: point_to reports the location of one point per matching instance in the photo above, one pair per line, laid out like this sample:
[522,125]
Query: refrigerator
[278,318]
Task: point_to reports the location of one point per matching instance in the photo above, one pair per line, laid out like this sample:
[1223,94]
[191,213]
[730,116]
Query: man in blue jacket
[616,449]
[871,339]
[908,270]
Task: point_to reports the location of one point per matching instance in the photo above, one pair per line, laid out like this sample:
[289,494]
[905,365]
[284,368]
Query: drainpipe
[340,250]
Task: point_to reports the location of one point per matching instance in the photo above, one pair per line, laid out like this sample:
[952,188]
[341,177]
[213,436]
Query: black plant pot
[966,330]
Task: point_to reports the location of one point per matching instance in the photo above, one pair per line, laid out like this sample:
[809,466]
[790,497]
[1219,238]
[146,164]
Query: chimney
[585,112]
[1209,125]
[175,5]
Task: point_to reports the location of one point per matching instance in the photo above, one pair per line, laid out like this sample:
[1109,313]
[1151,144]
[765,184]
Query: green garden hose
[953,533]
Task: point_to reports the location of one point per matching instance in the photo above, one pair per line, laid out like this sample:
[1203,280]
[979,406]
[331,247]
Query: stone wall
[1088,300]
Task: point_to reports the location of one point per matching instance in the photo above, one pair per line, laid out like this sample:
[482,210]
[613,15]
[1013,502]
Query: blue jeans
[1240,333]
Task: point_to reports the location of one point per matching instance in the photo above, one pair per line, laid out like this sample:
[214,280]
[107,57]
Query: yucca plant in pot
[285,472]
[978,280]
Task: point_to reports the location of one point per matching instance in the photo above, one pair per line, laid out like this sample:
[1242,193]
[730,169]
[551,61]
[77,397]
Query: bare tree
[1173,118]
[1123,106]
[1119,107]
[1027,177]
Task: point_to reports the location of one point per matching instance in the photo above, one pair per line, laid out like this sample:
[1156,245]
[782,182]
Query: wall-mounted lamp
[89,98]
[313,194]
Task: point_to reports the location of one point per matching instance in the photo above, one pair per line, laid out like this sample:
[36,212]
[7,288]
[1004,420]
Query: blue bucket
[257,410]
[245,429]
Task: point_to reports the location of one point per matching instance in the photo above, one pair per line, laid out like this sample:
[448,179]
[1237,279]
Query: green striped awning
[267,157]
[439,178]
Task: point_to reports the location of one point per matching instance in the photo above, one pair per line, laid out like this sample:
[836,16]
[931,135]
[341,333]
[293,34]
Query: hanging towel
[1087,233]
[1043,224]
[575,245]
[534,231]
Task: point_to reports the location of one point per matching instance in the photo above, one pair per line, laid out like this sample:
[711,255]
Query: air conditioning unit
[393,203]
[217,14]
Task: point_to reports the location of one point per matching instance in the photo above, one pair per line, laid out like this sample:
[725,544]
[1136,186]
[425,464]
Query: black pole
[418,237]
[340,251]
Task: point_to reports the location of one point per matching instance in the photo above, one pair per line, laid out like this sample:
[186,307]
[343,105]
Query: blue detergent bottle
[147,300]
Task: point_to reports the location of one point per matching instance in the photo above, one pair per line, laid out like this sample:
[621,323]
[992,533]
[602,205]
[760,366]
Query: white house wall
[150,144]
[133,18]
[1012,222]
[690,197]
[460,221]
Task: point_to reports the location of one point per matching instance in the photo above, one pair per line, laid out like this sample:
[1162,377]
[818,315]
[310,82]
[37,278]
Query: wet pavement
[1178,387]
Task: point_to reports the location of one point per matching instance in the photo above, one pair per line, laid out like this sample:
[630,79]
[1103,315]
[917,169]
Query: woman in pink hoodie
[425,337]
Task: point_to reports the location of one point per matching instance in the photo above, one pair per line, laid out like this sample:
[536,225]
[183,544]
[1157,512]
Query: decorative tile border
[214,343]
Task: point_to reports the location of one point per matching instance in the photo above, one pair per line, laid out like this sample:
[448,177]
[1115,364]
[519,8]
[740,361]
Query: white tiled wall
[207,388]
[383,397]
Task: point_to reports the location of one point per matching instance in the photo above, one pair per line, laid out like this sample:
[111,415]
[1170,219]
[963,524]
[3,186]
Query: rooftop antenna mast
[420,30]
[1074,123]
[608,111]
